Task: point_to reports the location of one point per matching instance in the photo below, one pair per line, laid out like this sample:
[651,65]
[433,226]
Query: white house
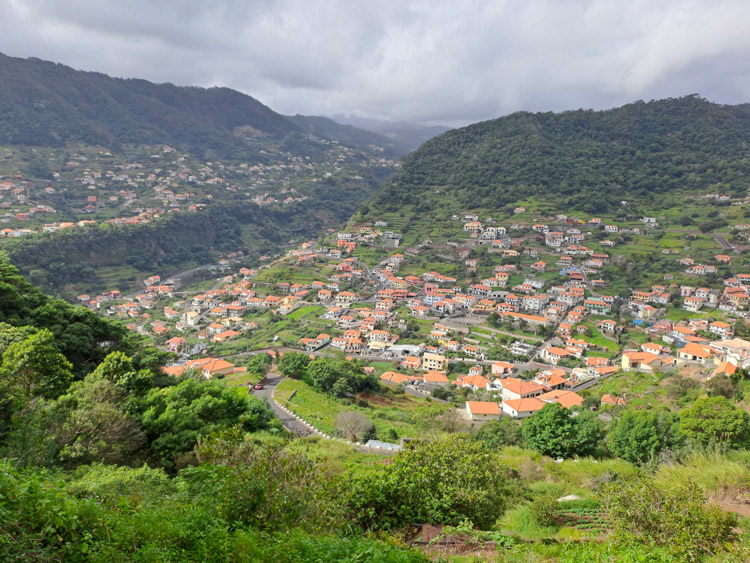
[522,408]
[483,410]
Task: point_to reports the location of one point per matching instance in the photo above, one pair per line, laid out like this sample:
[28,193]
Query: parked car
[258,386]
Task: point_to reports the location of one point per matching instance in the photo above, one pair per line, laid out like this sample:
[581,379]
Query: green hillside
[582,161]
[83,256]
[85,152]
[349,135]
[49,104]
[44,103]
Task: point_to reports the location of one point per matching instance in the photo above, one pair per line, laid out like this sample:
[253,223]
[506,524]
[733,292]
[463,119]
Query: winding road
[290,423]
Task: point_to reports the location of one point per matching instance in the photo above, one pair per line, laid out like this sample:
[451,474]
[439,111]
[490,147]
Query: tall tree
[35,367]
[94,425]
[294,364]
[639,436]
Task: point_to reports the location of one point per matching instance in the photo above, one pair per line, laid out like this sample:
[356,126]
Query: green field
[407,416]
[303,312]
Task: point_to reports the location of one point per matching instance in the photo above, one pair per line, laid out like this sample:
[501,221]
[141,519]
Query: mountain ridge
[50,104]
[582,160]
[409,135]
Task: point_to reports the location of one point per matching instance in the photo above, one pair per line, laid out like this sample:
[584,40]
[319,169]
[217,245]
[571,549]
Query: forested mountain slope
[44,103]
[50,104]
[580,160]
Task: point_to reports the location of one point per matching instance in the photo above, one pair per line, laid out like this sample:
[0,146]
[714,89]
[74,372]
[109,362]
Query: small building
[483,410]
[522,408]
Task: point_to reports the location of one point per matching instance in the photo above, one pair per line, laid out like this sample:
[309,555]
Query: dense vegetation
[580,160]
[52,260]
[50,104]
[81,336]
[44,103]
[53,106]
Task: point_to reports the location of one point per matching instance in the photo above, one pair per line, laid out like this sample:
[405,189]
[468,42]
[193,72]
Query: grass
[598,339]
[406,415]
[337,457]
[303,312]
[680,314]
[382,367]
[242,379]
[714,472]
[584,472]
[518,522]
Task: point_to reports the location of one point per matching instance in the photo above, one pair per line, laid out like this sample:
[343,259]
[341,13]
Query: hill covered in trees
[46,103]
[49,104]
[584,160]
[53,260]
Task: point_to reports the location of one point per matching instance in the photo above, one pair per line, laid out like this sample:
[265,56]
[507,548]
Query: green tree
[119,370]
[741,328]
[175,417]
[94,425]
[554,431]
[10,334]
[716,421]
[639,436]
[324,373]
[294,364]
[258,364]
[447,393]
[35,367]
[339,376]
[501,432]
[342,387]
[255,483]
[443,482]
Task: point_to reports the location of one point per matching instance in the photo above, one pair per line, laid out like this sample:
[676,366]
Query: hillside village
[502,319]
[230,334]
[64,189]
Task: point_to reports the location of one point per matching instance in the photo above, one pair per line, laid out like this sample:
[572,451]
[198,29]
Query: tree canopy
[582,160]
[639,436]
[554,431]
[715,421]
[443,482]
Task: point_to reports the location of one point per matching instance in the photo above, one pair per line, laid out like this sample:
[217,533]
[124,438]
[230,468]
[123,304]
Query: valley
[285,339]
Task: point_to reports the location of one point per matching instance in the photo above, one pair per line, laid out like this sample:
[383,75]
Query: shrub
[543,511]
[443,482]
[676,518]
[640,436]
[554,431]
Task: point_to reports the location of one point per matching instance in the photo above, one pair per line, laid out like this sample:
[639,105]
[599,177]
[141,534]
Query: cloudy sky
[430,61]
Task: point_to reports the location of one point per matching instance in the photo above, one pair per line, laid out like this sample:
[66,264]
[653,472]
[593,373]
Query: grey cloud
[428,60]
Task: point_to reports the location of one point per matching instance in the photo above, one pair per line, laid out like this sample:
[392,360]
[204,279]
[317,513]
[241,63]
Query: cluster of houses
[159,181]
[363,311]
